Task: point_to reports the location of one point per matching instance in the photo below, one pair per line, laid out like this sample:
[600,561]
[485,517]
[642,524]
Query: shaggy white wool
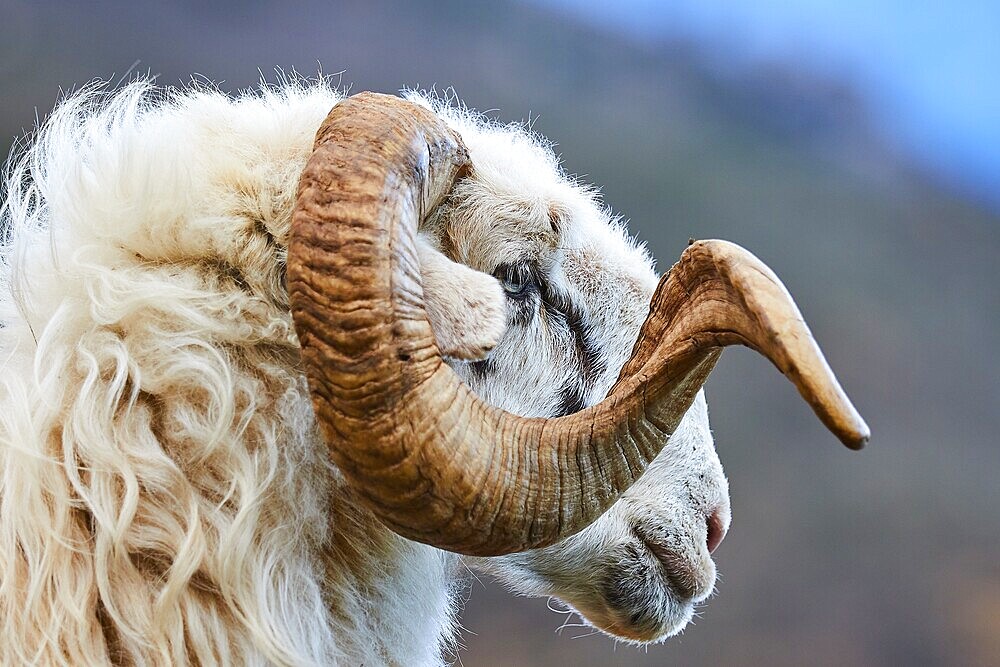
[163,494]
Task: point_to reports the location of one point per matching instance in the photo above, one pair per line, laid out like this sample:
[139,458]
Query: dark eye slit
[519,279]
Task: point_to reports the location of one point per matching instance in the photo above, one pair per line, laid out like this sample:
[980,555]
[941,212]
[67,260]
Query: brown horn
[434,462]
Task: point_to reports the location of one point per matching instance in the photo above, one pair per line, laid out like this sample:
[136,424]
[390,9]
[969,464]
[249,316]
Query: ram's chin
[644,624]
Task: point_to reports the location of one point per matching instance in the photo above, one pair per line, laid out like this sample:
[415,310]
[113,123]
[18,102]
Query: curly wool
[164,497]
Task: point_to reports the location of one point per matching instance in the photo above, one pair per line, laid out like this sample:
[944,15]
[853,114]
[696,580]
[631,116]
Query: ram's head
[539,420]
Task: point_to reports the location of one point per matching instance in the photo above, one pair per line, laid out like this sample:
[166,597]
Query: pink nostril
[716,531]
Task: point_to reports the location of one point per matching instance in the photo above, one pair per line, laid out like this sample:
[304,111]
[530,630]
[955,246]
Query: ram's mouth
[642,590]
[688,580]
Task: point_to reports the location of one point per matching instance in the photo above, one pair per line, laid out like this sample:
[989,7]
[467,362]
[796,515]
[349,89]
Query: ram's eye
[517,280]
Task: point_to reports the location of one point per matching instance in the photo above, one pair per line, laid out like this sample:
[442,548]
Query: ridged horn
[434,462]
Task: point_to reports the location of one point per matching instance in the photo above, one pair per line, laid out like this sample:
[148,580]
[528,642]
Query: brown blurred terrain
[889,556]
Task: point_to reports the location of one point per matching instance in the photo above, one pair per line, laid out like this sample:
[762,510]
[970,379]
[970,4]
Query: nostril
[716,531]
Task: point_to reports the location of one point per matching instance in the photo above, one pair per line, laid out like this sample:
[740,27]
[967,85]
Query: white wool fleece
[164,497]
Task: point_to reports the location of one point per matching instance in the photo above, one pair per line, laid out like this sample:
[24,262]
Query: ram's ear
[467,308]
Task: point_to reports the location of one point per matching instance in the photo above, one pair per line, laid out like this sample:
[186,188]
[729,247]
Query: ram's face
[406,246]
[573,292]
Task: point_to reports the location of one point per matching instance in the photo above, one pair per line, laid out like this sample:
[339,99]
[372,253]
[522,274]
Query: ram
[277,366]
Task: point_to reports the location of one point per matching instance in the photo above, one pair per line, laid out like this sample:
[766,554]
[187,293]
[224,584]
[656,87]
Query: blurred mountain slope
[884,557]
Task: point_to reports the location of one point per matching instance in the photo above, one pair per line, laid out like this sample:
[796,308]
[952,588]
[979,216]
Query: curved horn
[435,463]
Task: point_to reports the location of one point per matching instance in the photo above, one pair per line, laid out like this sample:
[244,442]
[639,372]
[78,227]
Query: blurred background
[854,145]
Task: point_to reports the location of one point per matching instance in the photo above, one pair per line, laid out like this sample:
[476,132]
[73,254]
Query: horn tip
[857,437]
